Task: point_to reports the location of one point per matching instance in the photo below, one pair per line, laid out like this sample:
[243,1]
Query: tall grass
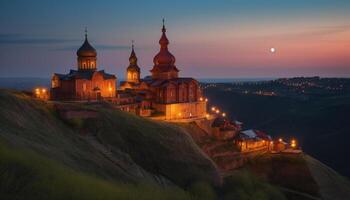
[243,185]
[27,175]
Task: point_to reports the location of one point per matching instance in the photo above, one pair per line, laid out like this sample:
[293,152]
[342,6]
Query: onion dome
[133,60]
[86,50]
[164,57]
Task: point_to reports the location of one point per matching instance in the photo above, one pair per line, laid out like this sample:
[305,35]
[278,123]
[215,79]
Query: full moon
[272,50]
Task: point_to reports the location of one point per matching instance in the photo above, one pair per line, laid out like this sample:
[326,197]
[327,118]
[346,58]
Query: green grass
[27,175]
[289,171]
[54,154]
[244,185]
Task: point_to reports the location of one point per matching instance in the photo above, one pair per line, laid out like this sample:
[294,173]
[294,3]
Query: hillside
[116,146]
[320,123]
[116,155]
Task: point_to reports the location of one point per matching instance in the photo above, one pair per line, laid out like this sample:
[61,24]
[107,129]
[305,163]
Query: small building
[253,140]
[279,145]
[223,129]
[85,83]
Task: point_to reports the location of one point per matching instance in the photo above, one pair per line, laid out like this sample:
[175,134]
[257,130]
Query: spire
[86,33]
[163,29]
[163,40]
[132,45]
[133,58]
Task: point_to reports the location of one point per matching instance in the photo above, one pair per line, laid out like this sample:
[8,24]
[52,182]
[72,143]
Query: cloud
[307,32]
[6,38]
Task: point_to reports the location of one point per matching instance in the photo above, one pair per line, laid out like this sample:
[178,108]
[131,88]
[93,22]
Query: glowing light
[280,140]
[37,91]
[206,100]
[217,111]
[201,99]
[207,115]
[272,50]
[43,90]
[293,143]
[110,89]
[180,114]
[224,114]
[213,108]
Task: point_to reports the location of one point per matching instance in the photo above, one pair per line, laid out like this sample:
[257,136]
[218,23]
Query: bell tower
[133,70]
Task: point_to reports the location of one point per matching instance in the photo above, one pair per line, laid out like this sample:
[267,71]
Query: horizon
[235,39]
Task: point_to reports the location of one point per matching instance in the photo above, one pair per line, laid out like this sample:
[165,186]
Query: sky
[209,38]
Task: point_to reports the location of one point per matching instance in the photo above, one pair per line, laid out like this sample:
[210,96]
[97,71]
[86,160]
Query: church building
[85,83]
[173,96]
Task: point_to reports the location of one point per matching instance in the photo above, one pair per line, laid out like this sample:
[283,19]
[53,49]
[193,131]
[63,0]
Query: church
[85,83]
[175,97]
[163,94]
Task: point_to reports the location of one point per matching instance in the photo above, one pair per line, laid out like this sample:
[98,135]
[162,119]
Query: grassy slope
[43,157]
[156,149]
[331,184]
[26,175]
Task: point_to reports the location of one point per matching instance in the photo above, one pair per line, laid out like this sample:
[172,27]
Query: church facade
[164,93]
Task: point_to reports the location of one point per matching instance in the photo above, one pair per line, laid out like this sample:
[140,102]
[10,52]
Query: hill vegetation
[117,155]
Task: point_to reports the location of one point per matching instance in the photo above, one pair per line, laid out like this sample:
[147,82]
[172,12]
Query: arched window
[135,76]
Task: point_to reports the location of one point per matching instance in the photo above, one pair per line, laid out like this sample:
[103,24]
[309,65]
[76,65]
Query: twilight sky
[226,38]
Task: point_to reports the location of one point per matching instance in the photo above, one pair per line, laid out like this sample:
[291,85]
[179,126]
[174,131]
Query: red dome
[164,57]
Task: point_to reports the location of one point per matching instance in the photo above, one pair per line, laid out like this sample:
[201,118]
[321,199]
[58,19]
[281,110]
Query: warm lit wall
[182,110]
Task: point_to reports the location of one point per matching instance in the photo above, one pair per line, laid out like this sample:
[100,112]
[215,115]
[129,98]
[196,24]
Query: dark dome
[133,61]
[86,50]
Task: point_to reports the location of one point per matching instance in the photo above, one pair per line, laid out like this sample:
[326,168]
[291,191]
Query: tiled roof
[86,74]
